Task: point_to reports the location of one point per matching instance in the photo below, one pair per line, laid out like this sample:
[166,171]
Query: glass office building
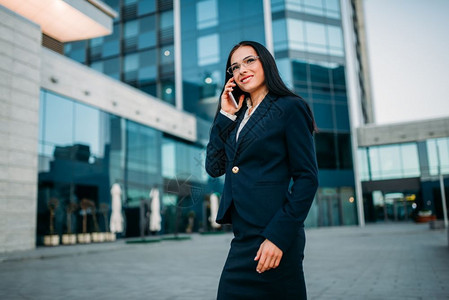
[307,42]
[402,180]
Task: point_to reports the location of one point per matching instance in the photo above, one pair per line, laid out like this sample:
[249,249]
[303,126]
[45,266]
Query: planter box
[110,236]
[425,219]
[84,238]
[98,237]
[69,239]
[51,240]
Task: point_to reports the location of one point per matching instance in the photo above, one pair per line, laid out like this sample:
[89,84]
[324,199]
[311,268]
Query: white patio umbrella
[155,216]
[213,210]
[116,216]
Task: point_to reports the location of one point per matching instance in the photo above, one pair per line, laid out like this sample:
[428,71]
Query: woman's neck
[258,96]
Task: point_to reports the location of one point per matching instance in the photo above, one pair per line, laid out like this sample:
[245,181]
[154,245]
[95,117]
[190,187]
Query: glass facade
[438,155]
[389,162]
[209,29]
[140,50]
[308,48]
[400,180]
[83,151]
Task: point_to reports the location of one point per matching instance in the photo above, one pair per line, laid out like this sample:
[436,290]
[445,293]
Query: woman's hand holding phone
[227,101]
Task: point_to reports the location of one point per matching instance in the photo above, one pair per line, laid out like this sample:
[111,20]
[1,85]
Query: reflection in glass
[434,146]
[325,150]
[394,161]
[208,50]
[59,120]
[206,14]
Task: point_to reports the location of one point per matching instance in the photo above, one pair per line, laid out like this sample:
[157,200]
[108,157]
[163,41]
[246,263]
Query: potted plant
[104,210]
[85,205]
[97,236]
[69,238]
[52,239]
[191,221]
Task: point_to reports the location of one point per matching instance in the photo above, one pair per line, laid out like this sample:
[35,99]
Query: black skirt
[240,280]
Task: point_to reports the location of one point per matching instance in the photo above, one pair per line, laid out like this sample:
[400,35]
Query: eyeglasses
[247,61]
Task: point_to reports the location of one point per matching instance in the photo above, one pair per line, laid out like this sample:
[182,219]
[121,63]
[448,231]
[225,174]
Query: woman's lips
[246,79]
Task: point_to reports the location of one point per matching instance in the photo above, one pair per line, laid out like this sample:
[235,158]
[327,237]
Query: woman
[261,145]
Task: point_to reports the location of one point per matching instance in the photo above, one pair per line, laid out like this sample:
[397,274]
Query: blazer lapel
[233,133]
[251,125]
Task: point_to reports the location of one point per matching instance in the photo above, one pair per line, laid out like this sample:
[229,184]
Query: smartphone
[233,99]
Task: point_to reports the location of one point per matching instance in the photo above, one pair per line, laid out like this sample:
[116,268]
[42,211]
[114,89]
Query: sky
[408,49]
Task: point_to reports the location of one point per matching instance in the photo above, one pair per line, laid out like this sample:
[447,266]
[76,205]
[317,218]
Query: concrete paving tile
[381,261]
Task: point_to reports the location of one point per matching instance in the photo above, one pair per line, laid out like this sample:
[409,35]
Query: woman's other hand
[226,102]
[269,256]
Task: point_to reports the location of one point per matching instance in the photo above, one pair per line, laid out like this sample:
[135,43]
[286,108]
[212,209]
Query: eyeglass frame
[231,72]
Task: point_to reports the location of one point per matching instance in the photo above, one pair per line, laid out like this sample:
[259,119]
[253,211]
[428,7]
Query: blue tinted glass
[300,71]
[112,67]
[166,20]
[314,7]
[206,14]
[338,77]
[79,55]
[167,54]
[131,29]
[42,114]
[58,120]
[147,74]
[98,66]
[316,33]
[332,8]
[335,40]
[342,114]
[208,50]
[168,92]
[111,48]
[87,128]
[146,6]
[296,34]
[319,74]
[323,115]
[148,58]
[147,23]
[147,39]
[131,62]
[280,39]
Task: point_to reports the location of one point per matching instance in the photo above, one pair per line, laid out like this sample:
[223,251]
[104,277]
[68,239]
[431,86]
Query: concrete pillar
[20,58]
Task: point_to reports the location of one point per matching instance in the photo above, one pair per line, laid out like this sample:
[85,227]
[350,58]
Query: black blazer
[275,146]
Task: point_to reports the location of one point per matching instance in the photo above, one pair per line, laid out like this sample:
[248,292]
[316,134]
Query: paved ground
[382,261]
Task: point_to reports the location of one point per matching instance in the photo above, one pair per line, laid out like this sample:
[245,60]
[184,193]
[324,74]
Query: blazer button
[235,170]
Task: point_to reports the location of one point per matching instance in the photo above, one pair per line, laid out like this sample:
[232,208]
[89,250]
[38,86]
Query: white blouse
[245,117]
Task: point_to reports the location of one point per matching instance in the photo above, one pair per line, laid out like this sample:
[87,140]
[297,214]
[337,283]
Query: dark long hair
[273,80]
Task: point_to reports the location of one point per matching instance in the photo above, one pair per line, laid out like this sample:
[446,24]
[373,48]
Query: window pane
[325,150]
[206,12]
[87,128]
[208,50]
[59,120]
[280,38]
[131,29]
[344,151]
[335,40]
[316,34]
[342,115]
[166,19]
[296,36]
[131,62]
[146,6]
[323,115]
[410,161]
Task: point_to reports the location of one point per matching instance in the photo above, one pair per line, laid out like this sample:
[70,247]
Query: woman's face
[250,78]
